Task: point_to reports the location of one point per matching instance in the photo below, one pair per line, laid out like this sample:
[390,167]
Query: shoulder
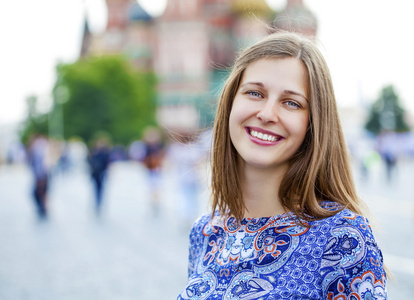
[197,238]
[201,222]
[351,257]
[198,227]
[347,224]
[350,239]
[344,218]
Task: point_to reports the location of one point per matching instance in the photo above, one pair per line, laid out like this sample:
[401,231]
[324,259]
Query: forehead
[287,72]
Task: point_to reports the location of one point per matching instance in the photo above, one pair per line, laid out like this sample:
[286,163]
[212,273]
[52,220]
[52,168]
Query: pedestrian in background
[389,149]
[99,163]
[187,157]
[153,159]
[38,155]
[286,222]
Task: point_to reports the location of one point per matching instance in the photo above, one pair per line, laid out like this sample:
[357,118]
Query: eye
[292,104]
[254,94]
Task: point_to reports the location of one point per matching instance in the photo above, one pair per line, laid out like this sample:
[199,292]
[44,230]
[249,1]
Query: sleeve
[352,263]
[196,244]
[191,253]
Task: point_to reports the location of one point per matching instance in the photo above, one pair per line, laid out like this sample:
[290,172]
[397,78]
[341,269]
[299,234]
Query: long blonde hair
[320,170]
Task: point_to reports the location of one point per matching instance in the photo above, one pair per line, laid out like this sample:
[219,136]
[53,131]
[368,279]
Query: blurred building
[190,47]
[298,18]
[129,32]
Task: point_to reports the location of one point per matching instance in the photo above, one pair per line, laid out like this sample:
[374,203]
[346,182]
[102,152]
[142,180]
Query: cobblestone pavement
[132,251]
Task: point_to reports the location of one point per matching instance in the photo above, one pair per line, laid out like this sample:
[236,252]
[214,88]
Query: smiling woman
[286,222]
[270,109]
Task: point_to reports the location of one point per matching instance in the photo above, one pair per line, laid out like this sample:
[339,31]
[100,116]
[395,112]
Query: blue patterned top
[274,258]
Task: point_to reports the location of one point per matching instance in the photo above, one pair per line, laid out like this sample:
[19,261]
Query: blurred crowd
[184,155]
[385,150]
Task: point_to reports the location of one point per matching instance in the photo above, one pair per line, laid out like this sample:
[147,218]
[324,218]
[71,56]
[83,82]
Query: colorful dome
[257,7]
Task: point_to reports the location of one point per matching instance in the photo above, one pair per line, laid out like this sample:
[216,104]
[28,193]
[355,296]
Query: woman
[286,221]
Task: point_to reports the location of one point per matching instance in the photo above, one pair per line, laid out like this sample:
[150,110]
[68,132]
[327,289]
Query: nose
[268,113]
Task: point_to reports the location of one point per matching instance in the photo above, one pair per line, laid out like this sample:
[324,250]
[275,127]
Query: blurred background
[106,108]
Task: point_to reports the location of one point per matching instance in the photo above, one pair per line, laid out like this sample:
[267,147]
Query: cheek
[299,126]
[304,127]
[240,112]
[234,117]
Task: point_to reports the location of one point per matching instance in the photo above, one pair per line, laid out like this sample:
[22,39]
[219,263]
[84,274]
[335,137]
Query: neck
[260,190]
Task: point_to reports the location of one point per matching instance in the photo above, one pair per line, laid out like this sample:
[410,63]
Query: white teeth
[264,137]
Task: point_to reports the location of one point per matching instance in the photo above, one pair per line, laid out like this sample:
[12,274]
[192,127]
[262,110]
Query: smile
[264,136]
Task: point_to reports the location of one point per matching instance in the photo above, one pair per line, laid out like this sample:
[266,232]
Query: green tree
[35,122]
[102,94]
[386,113]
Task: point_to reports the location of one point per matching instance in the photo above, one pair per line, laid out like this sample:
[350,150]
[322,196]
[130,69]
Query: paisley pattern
[274,258]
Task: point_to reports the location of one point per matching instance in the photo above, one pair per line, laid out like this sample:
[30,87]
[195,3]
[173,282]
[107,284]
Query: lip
[262,142]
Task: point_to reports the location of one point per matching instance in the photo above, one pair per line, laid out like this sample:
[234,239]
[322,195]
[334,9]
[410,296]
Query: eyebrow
[288,92]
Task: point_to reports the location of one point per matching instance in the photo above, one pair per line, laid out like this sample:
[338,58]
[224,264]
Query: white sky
[367,43]
[35,36]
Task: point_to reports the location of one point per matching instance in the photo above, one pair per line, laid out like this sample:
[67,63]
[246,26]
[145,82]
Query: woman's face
[270,112]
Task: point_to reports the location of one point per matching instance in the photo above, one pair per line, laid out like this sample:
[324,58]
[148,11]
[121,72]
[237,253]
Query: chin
[264,165]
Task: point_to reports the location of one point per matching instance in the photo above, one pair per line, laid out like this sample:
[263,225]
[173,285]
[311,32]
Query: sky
[35,36]
[368,44]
